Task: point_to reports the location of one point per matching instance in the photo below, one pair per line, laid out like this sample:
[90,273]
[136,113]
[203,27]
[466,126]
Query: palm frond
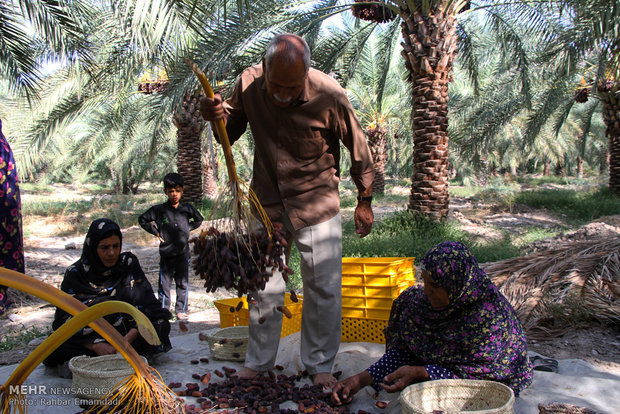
[549,103]
[468,60]
[513,49]
[17,57]
[340,51]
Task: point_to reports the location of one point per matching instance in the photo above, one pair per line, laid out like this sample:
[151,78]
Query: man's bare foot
[247,373]
[325,379]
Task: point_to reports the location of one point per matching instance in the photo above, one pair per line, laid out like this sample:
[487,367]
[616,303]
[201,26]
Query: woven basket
[94,377]
[229,344]
[450,396]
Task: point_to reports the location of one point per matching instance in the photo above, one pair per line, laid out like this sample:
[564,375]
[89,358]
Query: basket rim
[237,332]
[457,381]
[90,362]
[233,350]
[481,384]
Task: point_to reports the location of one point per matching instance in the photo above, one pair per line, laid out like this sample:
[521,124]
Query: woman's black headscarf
[94,269]
[90,282]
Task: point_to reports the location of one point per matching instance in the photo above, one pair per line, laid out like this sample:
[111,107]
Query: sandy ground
[576,381]
[48,257]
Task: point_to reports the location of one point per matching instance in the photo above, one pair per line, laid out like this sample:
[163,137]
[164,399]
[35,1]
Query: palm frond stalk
[209,167]
[142,392]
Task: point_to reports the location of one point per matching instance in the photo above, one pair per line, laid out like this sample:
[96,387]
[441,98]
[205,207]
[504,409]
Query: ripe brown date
[239,262]
[285,311]
[266,393]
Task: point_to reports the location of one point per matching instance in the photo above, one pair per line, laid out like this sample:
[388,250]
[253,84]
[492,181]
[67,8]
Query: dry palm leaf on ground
[579,276]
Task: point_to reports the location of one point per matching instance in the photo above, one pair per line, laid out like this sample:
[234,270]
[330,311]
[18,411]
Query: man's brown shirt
[297,148]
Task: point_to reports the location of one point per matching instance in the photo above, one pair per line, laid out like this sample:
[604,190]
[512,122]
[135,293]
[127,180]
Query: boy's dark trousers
[174,268]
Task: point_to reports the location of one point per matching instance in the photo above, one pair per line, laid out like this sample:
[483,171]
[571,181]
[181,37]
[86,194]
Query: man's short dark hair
[172,180]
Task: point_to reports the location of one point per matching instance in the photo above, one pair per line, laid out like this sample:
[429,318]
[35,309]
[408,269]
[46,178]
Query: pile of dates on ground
[261,395]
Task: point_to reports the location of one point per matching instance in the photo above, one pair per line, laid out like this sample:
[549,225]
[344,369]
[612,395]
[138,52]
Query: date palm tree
[376,94]
[190,125]
[572,81]
[429,33]
[433,31]
[120,42]
[588,48]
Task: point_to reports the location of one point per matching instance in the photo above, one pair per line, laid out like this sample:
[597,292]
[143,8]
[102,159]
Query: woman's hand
[404,376]
[104,348]
[343,391]
[131,335]
[101,348]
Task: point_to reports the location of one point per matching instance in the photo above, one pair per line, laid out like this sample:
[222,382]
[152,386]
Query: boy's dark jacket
[173,225]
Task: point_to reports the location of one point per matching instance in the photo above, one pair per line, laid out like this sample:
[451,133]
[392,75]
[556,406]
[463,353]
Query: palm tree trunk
[579,167]
[546,168]
[377,142]
[604,164]
[190,124]
[513,170]
[611,117]
[429,49]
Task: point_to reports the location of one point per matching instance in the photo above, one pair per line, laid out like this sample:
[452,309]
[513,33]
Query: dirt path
[48,257]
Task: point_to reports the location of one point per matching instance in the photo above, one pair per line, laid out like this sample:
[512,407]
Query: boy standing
[171,222]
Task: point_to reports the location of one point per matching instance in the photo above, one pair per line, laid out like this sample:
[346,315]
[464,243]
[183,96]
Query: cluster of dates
[377,12]
[262,395]
[241,262]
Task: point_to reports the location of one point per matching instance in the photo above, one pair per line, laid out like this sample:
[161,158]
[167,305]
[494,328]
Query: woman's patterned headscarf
[454,268]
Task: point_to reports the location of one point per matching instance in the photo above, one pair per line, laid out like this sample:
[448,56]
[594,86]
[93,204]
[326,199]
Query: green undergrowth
[405,234]
[19,336]
[578,207]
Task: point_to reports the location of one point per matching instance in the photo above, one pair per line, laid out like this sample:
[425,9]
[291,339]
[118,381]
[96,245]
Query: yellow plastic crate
[242,317]
[369,286]
[363,330]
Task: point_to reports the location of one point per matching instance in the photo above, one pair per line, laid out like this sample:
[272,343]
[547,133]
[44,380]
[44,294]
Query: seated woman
[104,273]
[457,326]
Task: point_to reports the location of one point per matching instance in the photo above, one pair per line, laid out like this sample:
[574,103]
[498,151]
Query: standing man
[298,116]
